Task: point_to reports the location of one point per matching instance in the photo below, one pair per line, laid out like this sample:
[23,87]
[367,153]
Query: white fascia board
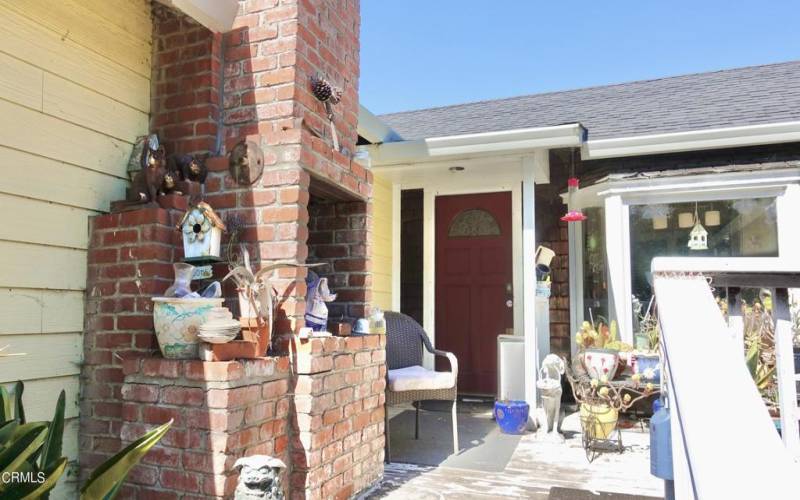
[372,128]
[725,265]
[756,182]
[509,140]
[490,143]
[719,138]
[216,15]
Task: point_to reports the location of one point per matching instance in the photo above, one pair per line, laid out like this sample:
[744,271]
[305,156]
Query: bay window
[630,222]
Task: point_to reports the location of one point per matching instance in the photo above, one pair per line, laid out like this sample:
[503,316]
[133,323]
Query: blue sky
[419,54]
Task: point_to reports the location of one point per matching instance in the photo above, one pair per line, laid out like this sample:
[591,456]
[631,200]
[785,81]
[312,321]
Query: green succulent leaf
[6,405]
[37,491]
[19,388]
[751,359]
[51,451]
[26,443]
[105,481]
[764,378]
[7,430]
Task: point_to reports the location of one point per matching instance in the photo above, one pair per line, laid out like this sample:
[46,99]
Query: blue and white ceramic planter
[177,322]
[648,366]
[512,416]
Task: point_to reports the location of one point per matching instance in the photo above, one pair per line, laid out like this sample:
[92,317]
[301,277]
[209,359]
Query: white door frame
[430,193]
[480,177]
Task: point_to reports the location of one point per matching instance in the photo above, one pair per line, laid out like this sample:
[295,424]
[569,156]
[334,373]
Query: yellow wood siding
[382,209]
[74,95]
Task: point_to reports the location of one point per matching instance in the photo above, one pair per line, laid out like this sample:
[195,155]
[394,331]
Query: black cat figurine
[190,168]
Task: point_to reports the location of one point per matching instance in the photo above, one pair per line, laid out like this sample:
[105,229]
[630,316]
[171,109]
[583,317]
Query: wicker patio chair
[407,381]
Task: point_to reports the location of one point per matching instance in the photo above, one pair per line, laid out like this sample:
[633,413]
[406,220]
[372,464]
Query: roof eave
[467,145]
[373,129]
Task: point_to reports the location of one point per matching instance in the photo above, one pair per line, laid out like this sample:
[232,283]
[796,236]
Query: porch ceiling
[500,169]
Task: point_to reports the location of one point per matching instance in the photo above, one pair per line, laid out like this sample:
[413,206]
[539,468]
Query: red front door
[473,283]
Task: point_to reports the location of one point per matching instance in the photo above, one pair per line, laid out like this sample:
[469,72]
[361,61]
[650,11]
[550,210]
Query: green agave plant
[32,451]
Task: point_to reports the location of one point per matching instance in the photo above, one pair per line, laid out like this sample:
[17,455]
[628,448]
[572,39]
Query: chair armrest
[450,357]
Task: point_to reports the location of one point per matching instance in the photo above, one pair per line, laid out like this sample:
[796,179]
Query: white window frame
[617,195]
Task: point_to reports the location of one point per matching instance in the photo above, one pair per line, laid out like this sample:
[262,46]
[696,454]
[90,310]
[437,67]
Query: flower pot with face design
[600,363]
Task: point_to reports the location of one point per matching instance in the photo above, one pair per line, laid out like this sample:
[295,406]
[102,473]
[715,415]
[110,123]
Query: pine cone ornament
[321,89]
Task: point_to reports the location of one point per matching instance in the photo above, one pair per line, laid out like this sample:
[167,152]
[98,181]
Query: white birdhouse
[698,238]
[202,232]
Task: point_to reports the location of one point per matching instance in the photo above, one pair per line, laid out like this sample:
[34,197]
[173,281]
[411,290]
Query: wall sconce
[712,218]
[685,220]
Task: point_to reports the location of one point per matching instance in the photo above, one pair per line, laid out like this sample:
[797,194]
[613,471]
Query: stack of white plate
[220,327]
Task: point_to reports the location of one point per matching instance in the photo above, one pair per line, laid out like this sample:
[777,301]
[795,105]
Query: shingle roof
[735,97]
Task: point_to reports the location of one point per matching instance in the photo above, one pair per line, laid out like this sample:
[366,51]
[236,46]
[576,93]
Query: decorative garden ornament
[259,478]
[328,95]
[544,256]
[698,237]
[318,294]
[573,184]
[202,231]
[189,167]
[148,183]
[549,384]
[182,285]
[246,163]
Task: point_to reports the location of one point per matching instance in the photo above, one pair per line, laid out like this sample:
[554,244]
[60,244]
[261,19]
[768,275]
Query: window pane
[729,228]
[473,223]
[595,284]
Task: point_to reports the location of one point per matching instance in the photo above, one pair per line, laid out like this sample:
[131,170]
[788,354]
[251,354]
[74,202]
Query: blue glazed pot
[645,362]
[511,416]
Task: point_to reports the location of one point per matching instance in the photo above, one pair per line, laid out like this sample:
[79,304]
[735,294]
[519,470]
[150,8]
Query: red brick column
[186,81]
[130,260]
[265,65]
[337,429]
[221,411]
[339,398]
[326,422]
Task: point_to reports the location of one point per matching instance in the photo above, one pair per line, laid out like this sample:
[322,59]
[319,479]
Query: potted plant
[648,360]
[257,298]
[602,401]
[759,345]
[599,349]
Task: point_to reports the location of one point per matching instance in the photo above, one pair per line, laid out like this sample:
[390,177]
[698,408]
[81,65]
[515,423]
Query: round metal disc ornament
[246,163]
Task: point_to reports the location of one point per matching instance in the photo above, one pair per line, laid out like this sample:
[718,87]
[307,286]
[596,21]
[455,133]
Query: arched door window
[473,222]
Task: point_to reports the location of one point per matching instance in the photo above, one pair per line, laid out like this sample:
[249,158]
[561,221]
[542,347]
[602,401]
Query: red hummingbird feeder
[572,215]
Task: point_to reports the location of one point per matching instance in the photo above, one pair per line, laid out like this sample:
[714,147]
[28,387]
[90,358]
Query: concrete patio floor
[536,466]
